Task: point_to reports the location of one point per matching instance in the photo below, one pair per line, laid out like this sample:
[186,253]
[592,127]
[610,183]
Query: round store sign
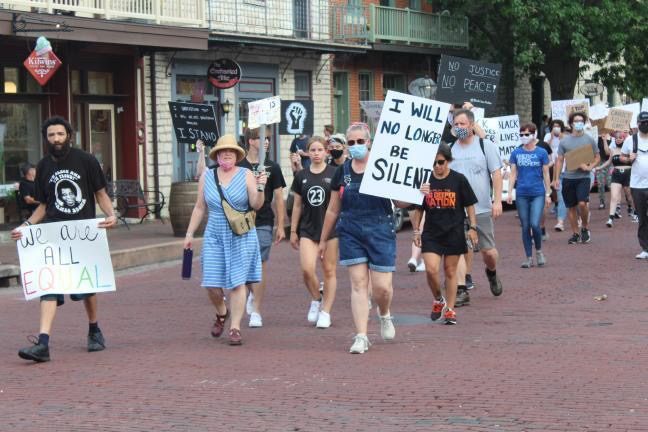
[224,73]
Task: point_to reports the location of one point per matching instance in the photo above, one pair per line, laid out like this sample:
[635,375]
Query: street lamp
[227,107]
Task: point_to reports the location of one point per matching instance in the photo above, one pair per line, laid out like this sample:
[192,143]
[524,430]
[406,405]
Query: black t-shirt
[300,144]
[315,191]
[265,216]
[27,188]
[444,208]
[363,203]
[601,148]
[68,185]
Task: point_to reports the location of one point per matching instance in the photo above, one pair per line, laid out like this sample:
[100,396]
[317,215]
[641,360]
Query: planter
[181,203]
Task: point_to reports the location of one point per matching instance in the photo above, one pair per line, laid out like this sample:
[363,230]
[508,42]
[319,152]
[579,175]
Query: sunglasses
[439,162]
[526,134]
[358,141]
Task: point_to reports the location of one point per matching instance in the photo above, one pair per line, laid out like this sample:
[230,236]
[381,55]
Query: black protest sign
[192,122]
[463,80]
[296,117]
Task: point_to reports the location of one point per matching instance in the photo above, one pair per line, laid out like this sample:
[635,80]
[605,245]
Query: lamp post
[227,107]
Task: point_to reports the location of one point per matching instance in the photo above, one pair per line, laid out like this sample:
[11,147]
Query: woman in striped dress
[229,261]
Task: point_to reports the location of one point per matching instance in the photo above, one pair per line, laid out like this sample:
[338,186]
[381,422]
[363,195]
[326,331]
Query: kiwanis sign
[42,63]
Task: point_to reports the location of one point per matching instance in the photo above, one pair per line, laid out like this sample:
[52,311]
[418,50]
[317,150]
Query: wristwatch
[473,227]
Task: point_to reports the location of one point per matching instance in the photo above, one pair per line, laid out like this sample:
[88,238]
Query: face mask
[643,127]
[462,133]
[525,139]
[358,151]
[226,165]
[337,153]
[579,126]
[59,153]
[556,131]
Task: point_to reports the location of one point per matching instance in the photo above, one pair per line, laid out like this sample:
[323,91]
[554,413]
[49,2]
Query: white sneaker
[420,267]
[642,255]
[255,320]
[313,312]
[411,264]
[249,306]
[387,330]
[360,344]
[323,320]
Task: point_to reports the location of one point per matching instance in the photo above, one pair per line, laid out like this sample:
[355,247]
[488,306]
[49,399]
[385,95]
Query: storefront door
[101,131]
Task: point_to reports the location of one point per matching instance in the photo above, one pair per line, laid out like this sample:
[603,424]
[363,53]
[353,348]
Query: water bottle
[187,260]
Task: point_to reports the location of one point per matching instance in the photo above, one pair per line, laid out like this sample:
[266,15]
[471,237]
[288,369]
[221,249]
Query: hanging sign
[224,73]
[42,63]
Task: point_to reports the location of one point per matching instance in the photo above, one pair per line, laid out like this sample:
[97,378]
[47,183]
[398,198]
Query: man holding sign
[68,183]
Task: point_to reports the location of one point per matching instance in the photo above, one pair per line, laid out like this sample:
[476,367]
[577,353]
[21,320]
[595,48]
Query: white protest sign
[593,132]
[509,135]
[491,129]
[634,108]
[598,112]
[65,258]
[559,108]
[264,112]
[478,112]
[644,105]
[403,151]
[372,109]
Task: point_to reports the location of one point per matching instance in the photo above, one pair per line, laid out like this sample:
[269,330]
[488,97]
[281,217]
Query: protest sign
[372,110]
[598,111]
[69,257]
[582,155]
[634,108]
[296,117]
[618,119]
[478,112]
[491,129]
[192,122]
[509,135]
[559,108]
[464,80]
[644,104]
[579,107]
[403,151]
[264,112]
[593,132]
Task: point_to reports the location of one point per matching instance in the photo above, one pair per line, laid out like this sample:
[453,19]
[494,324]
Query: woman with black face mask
[335,148]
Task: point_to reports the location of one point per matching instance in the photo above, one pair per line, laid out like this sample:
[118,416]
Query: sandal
[219,324]
[235,337]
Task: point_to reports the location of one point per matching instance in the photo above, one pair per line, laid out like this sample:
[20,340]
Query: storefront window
[10,80]
[193,87]
[100,83]
[75,81]
[18,80]
[20,139]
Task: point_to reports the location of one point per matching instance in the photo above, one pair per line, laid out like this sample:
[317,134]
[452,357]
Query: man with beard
[68,183]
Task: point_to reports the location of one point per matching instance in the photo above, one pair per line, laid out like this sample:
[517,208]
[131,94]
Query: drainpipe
[154,135]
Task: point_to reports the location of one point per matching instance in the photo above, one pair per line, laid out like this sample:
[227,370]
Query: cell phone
[187,261]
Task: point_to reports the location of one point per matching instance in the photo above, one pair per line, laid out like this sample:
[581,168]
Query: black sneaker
[96,342]
[585,235]
[37,352]
[463,298]
[469,282]
[574,239]
[495,284]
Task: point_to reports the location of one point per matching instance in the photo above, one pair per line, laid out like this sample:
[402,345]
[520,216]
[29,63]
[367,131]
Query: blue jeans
[530,211]
[561,212]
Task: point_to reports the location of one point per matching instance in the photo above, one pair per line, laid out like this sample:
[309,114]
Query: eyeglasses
[526,134]
[354,142]
[439,162]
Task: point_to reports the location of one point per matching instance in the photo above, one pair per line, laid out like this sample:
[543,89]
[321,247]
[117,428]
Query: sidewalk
[149,243]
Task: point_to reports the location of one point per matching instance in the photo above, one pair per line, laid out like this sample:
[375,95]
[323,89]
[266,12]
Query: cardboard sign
[582,155]
[464,80]
[634,108]
[264,112]
[579,107]
[559,108]
[69,257]
[296,117]
[403,151]
[644,104]
[42,67]
[224,73]
[192,122]
[372,110]
[618,119]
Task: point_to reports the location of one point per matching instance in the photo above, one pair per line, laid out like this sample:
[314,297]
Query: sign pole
[262,154]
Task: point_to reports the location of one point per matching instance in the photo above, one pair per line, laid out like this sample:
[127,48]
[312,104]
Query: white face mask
[525,139]
[556,131]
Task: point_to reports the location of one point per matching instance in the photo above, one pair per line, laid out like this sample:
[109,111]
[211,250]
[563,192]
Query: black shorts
[443,246]
[621,176]
[60,298]
[575,191]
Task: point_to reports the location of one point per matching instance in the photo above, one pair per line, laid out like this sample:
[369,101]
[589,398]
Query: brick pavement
[543,357]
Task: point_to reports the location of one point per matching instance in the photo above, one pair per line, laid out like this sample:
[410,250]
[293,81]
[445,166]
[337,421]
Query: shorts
[575,191]
[621,176]
[452,244]
[264,234]
[367,239]
[485,231]
[60,298]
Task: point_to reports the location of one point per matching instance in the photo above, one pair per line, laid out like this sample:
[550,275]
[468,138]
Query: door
[249,90]
[101,134]
[341,100]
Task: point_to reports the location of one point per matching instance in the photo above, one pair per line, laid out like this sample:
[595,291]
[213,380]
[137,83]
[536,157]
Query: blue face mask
[579,126]
[358,151]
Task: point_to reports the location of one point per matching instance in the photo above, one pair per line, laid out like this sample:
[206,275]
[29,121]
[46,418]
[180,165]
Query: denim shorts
[264,234]
[60,298]
[367,239]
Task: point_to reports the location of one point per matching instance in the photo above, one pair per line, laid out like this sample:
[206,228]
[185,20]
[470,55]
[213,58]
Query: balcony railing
[393,25]
[310,20]
[166,12]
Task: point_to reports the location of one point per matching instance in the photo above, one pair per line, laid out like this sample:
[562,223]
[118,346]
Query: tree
[557,36]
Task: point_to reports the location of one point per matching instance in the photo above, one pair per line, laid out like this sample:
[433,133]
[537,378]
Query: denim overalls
[365,228]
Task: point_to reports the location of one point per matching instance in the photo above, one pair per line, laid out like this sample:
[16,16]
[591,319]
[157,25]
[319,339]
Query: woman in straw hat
[229,261]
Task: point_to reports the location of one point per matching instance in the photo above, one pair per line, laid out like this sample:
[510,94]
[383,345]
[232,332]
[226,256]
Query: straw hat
[227,142]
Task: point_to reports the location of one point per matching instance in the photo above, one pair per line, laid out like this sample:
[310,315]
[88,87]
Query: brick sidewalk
[543,357]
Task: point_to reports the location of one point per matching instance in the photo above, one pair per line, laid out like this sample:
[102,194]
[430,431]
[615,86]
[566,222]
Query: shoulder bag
[240,222]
